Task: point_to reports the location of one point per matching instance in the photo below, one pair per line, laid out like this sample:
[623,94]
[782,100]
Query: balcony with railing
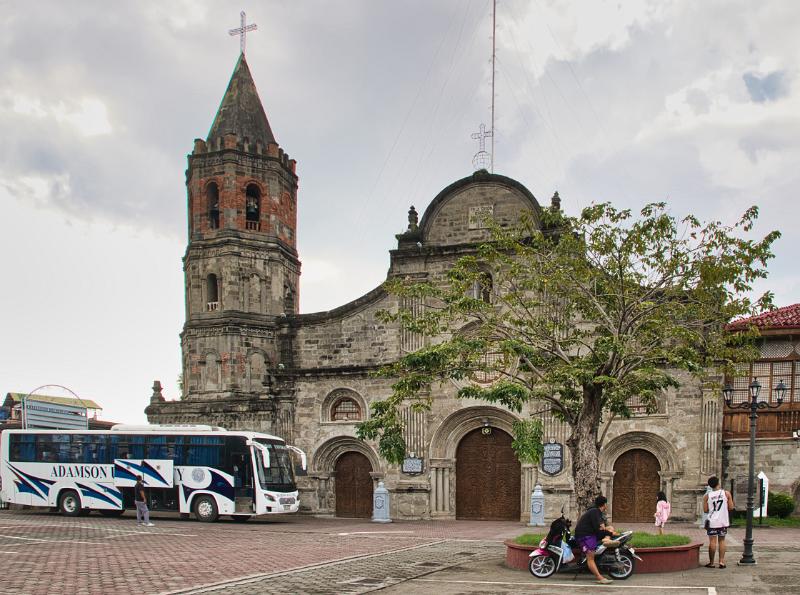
[253,225]
[212,306]
[771,423]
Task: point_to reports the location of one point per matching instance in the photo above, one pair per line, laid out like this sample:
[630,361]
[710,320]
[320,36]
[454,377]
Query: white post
[537,507]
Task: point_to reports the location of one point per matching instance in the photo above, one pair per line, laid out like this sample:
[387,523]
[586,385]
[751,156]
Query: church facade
[251,361]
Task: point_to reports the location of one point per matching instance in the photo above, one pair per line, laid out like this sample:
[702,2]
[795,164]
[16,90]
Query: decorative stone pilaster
[441,472]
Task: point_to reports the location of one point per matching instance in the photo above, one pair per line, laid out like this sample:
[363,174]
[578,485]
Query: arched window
[288,299]
[212,293]
[212,199]
[253,207]
[345,409]
[481,288]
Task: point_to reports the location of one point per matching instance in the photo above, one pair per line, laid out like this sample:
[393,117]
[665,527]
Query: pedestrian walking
[139,497]
[717,503]
[663,510]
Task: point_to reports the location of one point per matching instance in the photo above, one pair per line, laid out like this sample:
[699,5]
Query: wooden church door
[353,486]
[487,477]
[636,486]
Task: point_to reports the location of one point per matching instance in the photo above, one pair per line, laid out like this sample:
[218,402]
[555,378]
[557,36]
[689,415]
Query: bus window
[175,449]
[157,447]
[54,448]
[204,451]
[23,448]
[118,447]
[137,447]
[95,449]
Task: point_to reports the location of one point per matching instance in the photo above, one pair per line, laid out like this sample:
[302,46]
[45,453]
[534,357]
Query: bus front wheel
[205,509]
[69,503]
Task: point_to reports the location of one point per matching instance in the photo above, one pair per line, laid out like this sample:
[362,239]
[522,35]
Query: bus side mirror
[303,459]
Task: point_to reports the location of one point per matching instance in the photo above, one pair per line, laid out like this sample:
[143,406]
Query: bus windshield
[279,476]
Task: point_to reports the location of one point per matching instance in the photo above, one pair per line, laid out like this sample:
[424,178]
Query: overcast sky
[695,103]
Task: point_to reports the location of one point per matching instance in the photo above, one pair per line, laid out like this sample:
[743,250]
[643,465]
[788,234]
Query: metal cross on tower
[243,31]
[482,159]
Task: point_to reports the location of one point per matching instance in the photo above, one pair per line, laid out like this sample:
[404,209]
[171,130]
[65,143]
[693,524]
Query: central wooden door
[487,477]
[353,486]
[636,486]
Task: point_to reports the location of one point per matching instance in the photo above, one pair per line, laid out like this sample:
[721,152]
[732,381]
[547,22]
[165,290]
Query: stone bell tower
[241,267]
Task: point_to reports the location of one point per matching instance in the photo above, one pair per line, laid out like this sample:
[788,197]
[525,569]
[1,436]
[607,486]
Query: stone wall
[778,458]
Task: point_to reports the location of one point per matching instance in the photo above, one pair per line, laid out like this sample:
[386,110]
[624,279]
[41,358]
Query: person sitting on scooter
[608,535]
[587,534]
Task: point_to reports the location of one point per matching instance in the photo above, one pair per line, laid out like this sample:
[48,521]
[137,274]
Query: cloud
[768,87]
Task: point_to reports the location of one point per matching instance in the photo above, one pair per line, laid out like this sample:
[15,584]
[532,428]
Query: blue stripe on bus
[40,486]
[147,470]
[87,491]
[122,473]
[218,485]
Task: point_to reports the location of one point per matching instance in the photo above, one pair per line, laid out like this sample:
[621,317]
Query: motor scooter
[559,552]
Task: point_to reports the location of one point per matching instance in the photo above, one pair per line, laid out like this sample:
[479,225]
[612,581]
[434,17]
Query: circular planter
[653,559]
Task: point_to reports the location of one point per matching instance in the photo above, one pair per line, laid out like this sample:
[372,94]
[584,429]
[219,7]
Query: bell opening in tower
[253,208]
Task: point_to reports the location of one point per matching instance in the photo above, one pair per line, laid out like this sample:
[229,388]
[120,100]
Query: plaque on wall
[479,215]
[553,458]
[412,465]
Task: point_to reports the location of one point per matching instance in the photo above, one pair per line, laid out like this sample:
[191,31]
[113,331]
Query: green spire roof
[241,110]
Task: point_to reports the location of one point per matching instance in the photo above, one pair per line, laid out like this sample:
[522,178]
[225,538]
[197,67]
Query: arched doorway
[487,477]
[636,486]
[353,486]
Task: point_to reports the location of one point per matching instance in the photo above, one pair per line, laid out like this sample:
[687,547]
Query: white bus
[203,470]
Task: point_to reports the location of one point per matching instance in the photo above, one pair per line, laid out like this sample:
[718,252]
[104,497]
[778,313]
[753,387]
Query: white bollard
[380,504]
[537,507]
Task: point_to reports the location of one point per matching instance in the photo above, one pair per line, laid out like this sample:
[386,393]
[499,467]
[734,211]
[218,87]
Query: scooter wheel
[624,568]
[542,566]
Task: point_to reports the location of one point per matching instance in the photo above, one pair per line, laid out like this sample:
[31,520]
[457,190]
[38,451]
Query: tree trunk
[585,452]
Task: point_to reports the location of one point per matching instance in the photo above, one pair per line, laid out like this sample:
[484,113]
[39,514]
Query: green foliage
[770,521]
[642,539]
[529,538]
[527,442]
[583,315]
[779,504]
[639,539]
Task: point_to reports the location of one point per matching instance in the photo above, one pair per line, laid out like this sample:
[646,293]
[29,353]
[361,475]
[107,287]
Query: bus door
[241,466]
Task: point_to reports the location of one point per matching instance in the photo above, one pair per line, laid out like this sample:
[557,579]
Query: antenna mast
[494,58]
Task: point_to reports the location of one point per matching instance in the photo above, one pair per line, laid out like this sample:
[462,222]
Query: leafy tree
[577,315]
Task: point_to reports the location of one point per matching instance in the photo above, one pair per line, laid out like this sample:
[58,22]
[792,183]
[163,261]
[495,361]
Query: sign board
[412,465]
[553,458]
[761,498]
[45,415]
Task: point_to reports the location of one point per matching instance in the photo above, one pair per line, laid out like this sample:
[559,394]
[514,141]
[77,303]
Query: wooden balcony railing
[771,423]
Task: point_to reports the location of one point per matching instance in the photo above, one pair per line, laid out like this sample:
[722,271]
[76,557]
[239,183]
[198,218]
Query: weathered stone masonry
[250,361]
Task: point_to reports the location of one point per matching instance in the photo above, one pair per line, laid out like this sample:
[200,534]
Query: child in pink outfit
[663,509]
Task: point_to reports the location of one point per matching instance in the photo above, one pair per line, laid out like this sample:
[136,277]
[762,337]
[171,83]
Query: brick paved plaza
[46,553]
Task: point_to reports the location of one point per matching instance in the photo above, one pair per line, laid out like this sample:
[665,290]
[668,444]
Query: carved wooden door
[487,477]
[636,486]
[353,486]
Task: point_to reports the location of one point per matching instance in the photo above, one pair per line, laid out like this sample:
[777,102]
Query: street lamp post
[753,404]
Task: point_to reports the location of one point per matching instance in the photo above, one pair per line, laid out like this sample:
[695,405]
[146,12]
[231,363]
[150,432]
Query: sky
[693,103]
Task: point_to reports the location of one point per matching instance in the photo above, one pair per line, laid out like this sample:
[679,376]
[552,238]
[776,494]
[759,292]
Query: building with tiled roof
[781,320]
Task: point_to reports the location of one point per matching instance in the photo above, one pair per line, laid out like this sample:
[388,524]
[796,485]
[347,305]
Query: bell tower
[241,267]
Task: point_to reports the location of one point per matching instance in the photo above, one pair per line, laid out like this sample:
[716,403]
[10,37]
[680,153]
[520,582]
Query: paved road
[45,553]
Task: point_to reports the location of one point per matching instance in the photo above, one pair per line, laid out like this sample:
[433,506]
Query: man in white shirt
[717,503]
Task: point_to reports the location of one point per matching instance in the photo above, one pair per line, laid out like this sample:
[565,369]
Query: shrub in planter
[780,505]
